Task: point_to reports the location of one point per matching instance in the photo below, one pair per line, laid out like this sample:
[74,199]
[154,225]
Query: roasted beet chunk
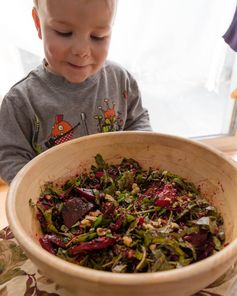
[88,194]
[47,244]
[96,244]
[197,239]
[118,224]
[75,209]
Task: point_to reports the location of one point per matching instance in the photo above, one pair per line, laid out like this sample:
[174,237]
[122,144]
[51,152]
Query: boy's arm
[137,116]
[15,139]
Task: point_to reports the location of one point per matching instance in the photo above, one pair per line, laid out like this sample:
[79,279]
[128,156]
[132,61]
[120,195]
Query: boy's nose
[80,48]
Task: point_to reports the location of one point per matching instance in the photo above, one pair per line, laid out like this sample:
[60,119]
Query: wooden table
[3,218]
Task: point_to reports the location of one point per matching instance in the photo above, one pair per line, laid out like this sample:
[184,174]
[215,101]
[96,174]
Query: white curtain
[172,41]
[161,41]
[16,32]
[174,48]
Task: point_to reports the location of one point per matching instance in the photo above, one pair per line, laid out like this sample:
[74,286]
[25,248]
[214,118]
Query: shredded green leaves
[123,218]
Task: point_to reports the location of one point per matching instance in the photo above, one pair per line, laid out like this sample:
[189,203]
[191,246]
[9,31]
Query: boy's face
[76,35]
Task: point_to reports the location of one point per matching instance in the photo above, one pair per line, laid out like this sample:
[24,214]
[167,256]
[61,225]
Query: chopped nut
[48,196]
[148,226]
[86,222]
[175,204]
[127,240]
[134,185]
[152,247]
[91,218]
[135,188]
[174,225]
[109,197]
[101,231]
[155,223]
[95,213]
[159,220]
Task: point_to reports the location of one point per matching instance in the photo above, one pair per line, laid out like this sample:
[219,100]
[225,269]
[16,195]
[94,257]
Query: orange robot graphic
[61,132]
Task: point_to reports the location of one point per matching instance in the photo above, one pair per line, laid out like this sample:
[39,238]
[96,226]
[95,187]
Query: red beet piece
[46,244]
[99,174]
[196,239]
[117,225]
[75,209]
[88,194]
[54,239]
[96,244]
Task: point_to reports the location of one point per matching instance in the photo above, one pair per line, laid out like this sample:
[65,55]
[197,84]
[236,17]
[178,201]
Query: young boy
[75,92]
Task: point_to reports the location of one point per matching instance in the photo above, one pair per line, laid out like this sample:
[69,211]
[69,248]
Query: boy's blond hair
[36,2]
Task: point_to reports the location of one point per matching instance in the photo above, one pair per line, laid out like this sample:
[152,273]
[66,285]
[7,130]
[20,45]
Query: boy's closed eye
[63,34]
[69,34]
[98,38]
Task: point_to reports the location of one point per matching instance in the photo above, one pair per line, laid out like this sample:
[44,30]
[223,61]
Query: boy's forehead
[111,3]
[63,10]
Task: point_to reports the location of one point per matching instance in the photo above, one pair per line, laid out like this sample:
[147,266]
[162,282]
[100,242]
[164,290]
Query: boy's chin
[75,79]
[71,76]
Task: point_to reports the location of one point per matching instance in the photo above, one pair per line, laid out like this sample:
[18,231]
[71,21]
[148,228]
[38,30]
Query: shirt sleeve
[15,138]
[137,115]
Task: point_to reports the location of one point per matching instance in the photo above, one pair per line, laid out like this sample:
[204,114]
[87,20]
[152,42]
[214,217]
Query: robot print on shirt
[62,131]
[108,120]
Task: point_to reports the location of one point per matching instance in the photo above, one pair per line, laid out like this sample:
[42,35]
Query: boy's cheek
[104,53]
[54,47]
[52,52]
[102,50]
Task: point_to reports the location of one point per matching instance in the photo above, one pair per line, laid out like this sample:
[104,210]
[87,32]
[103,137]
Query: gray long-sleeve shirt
[43,110]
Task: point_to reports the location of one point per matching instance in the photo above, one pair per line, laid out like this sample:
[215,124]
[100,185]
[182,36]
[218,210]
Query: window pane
[175,50]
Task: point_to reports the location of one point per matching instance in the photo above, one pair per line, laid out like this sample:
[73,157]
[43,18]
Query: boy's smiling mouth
[78,66]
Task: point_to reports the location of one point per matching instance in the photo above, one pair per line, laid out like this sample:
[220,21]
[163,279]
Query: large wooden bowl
[215,174]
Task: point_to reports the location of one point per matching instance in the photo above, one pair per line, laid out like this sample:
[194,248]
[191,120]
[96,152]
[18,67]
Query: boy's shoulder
[114,66]
[118,70]
[26,82]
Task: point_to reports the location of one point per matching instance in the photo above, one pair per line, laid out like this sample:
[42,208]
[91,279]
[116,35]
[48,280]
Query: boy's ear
[234,94]
[36,21]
